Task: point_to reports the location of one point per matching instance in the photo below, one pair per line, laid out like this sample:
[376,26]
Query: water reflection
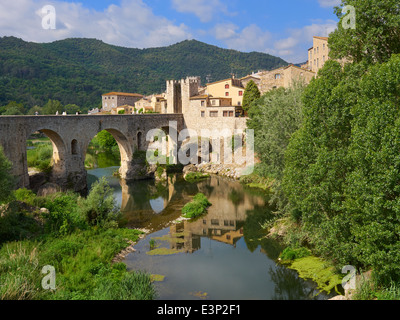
[224,253]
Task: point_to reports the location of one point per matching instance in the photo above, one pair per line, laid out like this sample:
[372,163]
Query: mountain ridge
[79,70]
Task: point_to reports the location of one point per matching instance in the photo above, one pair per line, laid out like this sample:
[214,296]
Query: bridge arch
[59,152]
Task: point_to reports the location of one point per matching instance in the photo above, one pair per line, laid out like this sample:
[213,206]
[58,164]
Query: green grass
[193,177]
[81,253]
[40,157]
[197,207]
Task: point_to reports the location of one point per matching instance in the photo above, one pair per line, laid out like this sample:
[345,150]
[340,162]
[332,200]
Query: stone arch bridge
[71,135]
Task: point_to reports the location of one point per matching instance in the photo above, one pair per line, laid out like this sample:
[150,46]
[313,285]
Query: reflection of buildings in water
[223,222]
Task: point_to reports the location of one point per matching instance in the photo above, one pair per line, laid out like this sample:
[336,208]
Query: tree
[275,117]
[7,181]
[316,160]
[52,106]
[250,95]
[375,36]
[105,140]
[13,108]
[72,109]
[372,188]
[99,208]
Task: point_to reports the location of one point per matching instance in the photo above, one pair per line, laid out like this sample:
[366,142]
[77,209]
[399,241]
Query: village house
[318,54]
[114,100]
[229,88]
[283,77]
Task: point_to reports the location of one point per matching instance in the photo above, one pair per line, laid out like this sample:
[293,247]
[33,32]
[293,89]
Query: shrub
[197,207]
[99,208]
[292,254]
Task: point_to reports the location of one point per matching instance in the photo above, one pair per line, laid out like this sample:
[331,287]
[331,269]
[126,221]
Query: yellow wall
[218,90]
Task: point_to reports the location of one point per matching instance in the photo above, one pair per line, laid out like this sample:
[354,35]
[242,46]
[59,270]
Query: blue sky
[282,28]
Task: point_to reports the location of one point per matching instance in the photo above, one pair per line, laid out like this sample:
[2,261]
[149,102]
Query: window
[203,114]
[226,94]
[74,147]
[240,93]
[203,103]
[227,86]
[213,114]
[277,76]
[323,46]
[323,59]
[213,102]
[227,114]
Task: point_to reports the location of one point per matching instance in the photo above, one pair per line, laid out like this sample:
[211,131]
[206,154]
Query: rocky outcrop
[230,171]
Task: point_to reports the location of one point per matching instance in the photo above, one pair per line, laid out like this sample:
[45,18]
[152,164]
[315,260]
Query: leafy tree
[35,109]
[376,34]
[72,109]
[99,208]
[7,181]
[105,140]
[316,160]
[250,95]
[275,117]
[13,108]
[372,188]
[52,106]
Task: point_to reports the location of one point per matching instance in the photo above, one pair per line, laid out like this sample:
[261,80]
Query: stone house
[117,99]
[318,54]
[284,77]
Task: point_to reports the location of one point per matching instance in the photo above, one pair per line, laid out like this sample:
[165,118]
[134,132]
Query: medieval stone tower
[179,93]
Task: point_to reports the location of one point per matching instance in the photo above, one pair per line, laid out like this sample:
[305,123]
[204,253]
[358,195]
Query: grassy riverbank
[77,236]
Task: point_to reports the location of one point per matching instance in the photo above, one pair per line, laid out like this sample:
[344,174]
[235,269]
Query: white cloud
[130,24]
[329,3]
[292,48]
[250,38]
[205,10]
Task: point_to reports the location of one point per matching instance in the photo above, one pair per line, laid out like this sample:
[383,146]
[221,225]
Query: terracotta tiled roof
[123,94]
[322,38]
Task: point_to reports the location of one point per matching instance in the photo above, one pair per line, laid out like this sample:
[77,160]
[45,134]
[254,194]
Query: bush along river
[223,255]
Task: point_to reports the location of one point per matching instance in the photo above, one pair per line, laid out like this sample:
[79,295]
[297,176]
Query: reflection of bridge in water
[224,221]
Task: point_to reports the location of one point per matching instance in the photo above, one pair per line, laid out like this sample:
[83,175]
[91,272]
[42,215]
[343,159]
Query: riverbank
[56,231]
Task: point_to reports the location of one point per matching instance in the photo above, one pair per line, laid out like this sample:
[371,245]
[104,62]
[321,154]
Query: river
[223,255]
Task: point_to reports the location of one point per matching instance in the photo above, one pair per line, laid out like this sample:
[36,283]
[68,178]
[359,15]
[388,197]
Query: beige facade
[144,104]
[229,88]
[284,77]
[114,100]
[318,54]
[255,77]
[126,108]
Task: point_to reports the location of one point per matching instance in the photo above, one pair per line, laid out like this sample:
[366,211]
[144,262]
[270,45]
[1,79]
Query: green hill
[77,71]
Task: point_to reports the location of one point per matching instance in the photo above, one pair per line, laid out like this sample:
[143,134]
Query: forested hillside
[77,71]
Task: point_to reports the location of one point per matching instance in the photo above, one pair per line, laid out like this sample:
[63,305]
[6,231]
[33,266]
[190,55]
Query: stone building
[117,99]
[255,77]
[318,54]
[283,77]
[203,110]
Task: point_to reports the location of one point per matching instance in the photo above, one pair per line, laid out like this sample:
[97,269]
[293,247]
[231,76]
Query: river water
[223,255]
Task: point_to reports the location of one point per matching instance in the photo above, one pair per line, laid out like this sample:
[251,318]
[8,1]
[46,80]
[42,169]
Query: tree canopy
[375,36]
